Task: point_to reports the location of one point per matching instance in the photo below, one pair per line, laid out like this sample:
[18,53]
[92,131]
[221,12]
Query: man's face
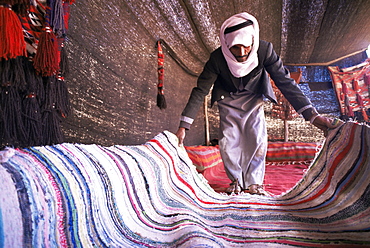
[240,52]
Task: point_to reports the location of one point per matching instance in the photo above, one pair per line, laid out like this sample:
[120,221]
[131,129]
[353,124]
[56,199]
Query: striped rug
[150,195]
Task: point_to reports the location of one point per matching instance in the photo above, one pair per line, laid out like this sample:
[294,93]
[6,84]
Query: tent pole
[206,121]
[286,131]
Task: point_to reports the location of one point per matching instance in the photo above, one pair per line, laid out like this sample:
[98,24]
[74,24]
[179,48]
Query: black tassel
[12,82]
[31,105]
[12,71]
[52,131]
[64,63]
[62,98]
[32,120]
[161,101]
[14,133]
[35,83]
[50,117]
[2,128]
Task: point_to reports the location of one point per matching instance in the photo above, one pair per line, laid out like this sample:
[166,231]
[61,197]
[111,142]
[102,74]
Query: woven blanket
[287,160]
[150,195]
[205,157]
[352,88]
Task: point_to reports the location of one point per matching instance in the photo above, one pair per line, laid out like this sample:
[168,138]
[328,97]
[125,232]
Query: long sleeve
[204,83]
[287,85]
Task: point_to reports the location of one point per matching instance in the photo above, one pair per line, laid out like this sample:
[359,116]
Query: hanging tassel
[14,133]
[2,128]
[12,81]
[32,119]
[63,65]
[46,61]
[56,17]
[12,42]
[12,72]
[50,117]
[62,98]
[161,101]
[35,81]
[51,127]
[66,10]
[31,105]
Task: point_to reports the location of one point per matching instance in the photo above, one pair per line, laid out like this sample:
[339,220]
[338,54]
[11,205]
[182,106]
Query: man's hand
[325,123]
[181,135]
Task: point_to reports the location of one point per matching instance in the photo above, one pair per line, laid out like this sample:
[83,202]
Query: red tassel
[12,42]
[46,61]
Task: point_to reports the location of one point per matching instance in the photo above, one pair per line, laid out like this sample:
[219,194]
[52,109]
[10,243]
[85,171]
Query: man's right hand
[181,135]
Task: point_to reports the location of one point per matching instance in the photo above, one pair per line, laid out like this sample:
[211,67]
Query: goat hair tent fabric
[150,195]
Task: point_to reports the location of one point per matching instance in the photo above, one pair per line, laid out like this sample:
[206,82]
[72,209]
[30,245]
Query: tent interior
[100,104]
[112,58]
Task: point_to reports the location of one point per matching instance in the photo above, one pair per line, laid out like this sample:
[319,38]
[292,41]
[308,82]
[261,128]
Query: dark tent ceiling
[302,31]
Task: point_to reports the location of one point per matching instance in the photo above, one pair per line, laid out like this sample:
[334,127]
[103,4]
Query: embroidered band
[299,111]
[187,119]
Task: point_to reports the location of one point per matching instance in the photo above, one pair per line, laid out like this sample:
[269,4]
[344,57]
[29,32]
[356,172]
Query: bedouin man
[239,73]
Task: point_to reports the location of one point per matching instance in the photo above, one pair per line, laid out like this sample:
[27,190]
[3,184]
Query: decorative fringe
[46,61]
[12,42]
[161,101]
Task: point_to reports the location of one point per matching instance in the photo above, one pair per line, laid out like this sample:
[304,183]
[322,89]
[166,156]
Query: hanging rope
[161,101]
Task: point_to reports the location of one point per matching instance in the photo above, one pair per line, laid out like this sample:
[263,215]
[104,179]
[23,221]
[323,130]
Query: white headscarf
[244,36]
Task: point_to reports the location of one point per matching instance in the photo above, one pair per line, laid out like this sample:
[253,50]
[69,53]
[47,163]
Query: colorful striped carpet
[150,195]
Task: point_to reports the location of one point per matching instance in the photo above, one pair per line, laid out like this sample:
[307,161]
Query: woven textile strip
[150,195]
[352,88]
[204,157]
